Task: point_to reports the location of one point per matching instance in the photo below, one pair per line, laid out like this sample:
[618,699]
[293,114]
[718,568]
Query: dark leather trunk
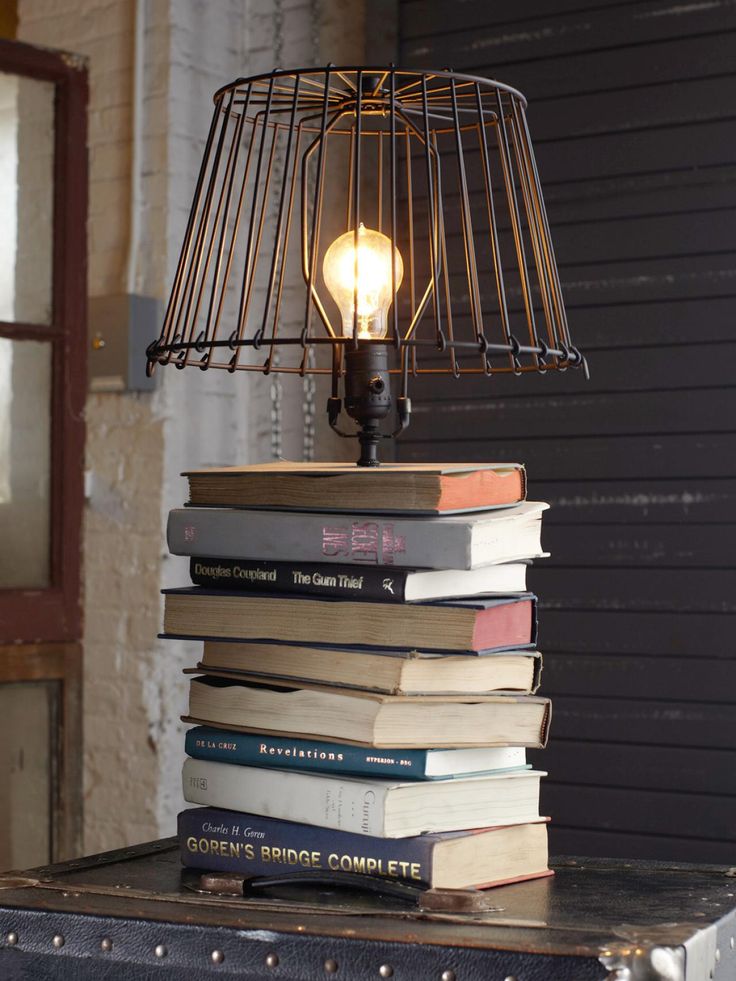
[129,914]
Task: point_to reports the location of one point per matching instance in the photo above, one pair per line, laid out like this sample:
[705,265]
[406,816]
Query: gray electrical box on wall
[120,329]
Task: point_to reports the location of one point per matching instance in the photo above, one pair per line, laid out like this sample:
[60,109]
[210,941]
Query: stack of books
[365,695]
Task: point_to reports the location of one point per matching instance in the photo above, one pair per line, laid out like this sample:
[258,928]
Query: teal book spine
[250,749]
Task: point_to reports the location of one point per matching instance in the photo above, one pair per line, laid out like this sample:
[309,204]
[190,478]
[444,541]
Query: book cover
[236,702]
[383,584]
[463,625]
[394,672]
[445,542]
[337,487]
[381,808]
[228,841]
[257,749]
[251,845]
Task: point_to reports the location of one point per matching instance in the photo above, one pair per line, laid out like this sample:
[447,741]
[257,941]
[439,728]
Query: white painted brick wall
[121,545]
[137,445]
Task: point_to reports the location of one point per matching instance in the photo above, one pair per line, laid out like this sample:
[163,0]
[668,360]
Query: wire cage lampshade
[365,223]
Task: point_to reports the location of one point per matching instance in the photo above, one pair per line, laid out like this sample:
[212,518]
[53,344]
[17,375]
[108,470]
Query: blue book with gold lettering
[249,845]
[253,749]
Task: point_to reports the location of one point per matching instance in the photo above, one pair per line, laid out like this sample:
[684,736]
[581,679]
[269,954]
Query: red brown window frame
[54,613]
[41,629]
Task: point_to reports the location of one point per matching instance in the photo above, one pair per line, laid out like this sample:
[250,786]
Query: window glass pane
[25,774]
[27,195]
[25,450]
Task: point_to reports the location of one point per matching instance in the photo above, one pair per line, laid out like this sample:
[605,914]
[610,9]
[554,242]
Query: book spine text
[356,540]
[247,844]
[382,583]
[206,743]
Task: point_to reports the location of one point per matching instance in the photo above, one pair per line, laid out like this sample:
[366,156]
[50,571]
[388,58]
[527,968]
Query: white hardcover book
[384,808]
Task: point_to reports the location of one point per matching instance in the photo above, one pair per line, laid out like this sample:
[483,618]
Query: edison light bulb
[375,287]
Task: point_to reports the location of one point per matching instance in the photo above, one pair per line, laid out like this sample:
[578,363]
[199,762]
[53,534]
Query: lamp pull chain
[276,421]
[277,424]
[309,385]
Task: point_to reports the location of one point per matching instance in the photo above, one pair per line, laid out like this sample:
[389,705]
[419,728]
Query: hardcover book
[428,488]
[368,718]
[250,845]
[384,584]
[482,624]
[444,542]
[381,808]
[407,672]
[251,749]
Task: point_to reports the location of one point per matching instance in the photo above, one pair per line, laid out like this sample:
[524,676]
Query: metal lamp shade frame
[439,162]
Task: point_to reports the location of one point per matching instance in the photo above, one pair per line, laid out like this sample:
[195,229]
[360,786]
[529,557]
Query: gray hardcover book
[448,542]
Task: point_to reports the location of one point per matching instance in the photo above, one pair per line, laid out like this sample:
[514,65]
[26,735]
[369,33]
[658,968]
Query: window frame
[53,613]
[41,628]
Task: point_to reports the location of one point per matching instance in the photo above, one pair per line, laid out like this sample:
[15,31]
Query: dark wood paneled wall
[633,114]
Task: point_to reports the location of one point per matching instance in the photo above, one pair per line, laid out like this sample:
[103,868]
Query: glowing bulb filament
[369,268]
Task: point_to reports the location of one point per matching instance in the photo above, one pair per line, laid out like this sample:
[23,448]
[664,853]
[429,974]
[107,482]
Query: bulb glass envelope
[439,163]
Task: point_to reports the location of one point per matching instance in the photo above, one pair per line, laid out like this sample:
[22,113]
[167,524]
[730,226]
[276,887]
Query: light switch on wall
[121,326]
